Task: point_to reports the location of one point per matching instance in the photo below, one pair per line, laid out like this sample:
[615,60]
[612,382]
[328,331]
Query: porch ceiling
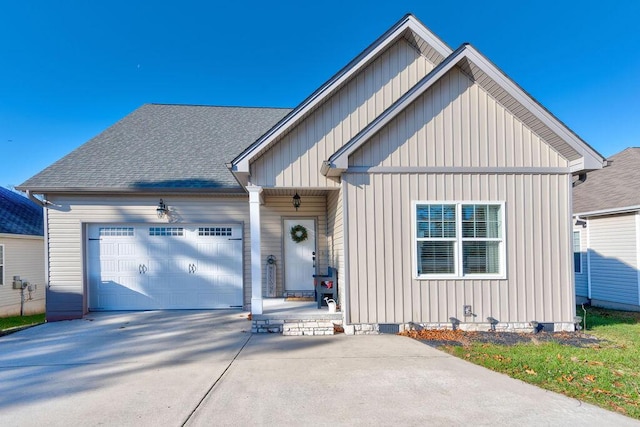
[309,192]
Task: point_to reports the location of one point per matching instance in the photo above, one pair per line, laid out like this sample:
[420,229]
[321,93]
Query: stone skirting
[295,325]
[300,294]
[330,323]
[517,327]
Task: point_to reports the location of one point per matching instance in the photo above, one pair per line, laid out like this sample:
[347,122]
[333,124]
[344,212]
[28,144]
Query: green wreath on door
[299,233]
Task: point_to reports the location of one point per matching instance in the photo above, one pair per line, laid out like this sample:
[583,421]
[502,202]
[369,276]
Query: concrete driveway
[204,368]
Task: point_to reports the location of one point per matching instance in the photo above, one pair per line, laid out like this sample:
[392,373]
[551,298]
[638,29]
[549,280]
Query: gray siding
[296,159]
[24,257]
[613,258]
[538,285]
[335,232]
[68,216]
[456,123]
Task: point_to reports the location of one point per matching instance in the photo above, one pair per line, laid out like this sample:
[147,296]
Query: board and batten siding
[335,239]
[68,215]
[538,284]
[613,258]
[456,123]
[272,215]
[338,119]
[24,257]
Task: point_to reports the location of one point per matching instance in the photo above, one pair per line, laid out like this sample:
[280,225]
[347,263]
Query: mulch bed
[438,338]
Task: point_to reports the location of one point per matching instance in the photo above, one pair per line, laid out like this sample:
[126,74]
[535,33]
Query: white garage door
[148,267]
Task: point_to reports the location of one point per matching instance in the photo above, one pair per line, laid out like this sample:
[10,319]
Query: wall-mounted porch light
[161,210]
[296,201]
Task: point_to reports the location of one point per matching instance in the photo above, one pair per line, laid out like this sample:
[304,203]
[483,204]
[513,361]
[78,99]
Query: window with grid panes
[459,239]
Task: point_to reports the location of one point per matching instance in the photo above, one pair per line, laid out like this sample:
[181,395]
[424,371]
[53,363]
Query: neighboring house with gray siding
[607,234]
[21,255]
[437,187]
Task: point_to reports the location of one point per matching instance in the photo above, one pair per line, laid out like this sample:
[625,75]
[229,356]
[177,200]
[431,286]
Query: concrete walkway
[203,368]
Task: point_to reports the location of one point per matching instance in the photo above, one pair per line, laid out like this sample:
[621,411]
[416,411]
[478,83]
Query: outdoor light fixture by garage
[161,210]
[296,201]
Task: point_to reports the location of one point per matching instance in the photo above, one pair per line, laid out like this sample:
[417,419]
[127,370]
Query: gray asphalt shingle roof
[19,215]
[161,147]
[611,187]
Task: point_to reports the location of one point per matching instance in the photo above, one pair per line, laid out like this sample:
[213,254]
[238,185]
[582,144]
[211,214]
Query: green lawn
[16,321]
[607,374]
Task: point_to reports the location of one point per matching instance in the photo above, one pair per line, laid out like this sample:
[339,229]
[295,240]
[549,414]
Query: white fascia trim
[590,159]
[610,211]
[241,163]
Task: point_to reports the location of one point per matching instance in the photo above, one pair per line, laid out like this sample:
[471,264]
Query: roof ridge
[216,106]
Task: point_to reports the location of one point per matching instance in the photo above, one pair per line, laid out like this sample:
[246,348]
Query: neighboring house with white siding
[437,187]
[21,255]
[607,234]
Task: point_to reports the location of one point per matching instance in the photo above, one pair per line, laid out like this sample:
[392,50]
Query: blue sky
[69,69]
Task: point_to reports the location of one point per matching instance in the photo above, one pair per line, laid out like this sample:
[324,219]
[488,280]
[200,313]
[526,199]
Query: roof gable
[502,88]
[409,28]
[19,215]
[611,188]
[161,147]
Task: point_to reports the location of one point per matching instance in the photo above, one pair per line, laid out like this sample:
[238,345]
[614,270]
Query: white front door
[299,256]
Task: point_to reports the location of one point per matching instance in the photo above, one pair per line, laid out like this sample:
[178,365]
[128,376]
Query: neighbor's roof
[610,188]
[19,215]
[161,147]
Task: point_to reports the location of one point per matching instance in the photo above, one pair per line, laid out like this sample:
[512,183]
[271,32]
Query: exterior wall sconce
[161,210]
[296,201]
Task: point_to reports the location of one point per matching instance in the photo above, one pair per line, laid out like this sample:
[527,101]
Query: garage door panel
[164,267]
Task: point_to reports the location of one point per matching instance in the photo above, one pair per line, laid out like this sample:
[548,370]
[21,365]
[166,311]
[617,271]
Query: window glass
[477,250]
[436,257]
[577,254]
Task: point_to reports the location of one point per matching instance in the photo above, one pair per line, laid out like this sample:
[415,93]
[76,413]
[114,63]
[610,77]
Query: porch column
[256,263]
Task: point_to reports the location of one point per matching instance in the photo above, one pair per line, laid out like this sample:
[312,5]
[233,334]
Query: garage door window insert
[461,240]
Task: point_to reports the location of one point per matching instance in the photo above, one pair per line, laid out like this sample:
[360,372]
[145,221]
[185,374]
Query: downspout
[45,218]
[638,254]
[582,177]
[588,261]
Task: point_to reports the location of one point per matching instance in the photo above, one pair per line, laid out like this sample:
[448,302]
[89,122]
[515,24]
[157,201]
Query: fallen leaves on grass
[439,337]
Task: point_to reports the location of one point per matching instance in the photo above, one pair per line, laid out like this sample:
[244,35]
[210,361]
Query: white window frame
[573,236]
[2,258]
[458,241]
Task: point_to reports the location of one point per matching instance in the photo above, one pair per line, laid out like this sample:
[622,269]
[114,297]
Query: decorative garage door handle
[142,269]
[192,268]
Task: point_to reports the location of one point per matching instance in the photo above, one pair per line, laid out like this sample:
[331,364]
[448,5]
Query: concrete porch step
[296,324]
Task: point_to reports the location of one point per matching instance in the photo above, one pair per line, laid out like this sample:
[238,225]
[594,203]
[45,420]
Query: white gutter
[609,211]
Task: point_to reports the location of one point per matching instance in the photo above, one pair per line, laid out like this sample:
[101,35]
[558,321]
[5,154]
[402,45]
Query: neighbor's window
[459,239]
[1,264]
[577,253]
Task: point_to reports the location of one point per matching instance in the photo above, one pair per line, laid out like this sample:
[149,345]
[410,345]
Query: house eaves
[581,156]
[409,28]
[611,211]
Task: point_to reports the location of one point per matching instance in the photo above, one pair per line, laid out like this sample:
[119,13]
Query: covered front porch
[296,317]
[287,269]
